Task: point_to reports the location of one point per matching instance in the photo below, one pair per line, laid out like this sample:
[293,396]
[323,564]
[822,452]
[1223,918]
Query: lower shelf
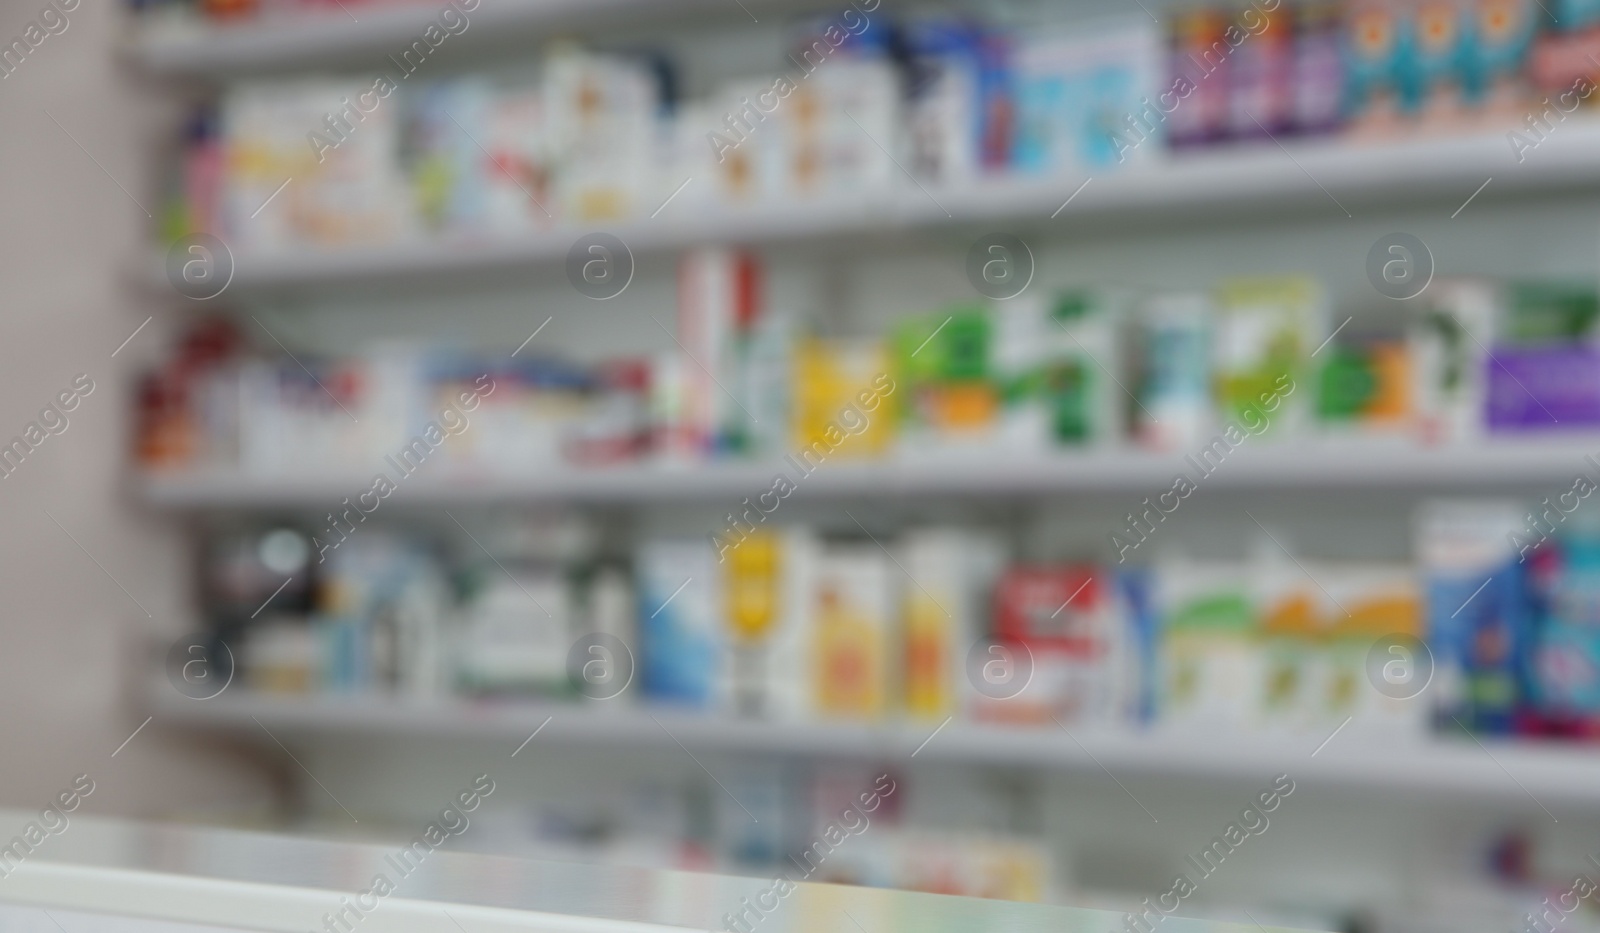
[1327,463]
[1526,774]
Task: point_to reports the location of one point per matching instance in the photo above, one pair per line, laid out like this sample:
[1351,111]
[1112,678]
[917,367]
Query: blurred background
[1127,442]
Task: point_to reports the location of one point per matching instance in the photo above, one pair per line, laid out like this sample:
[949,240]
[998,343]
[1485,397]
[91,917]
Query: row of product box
[1042,371]
[824,823]
[1487,630]
[1371,67]
[598,137]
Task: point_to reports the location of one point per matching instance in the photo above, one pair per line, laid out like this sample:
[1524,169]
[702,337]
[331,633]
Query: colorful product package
[1319,68]
[616,427]
[1048,111]
[517,169]
[1292,640]
[944,360]
[1139,628]
[290,417]
[846,98]
[1293,644]
[509,642]
[199,186]
[449,173]
[347,186]
[1194,42]
[844,401]
[830,125]
[1174,409]
[768,581]
[1050,358]
[1263,332]
[1550,313]
[1378,40]
[674,437]
[1473,590]
[1438,68]
[1545,369]
[1366,603]
[1076,95]
[1537,388]
[529,417]
[601,114]
[1561,667]
[1575,15]
[1365,383]
[1210,656]
[752,584]
[711,138]
[853,613]
[1063,606]
[1065,620]
[954,570]
[1260,75]
[1563,52]
[1503,34]
[684,657]
[720,294]
[943,99]
[1448,351]
[962,109]
[995,132]
[761,380]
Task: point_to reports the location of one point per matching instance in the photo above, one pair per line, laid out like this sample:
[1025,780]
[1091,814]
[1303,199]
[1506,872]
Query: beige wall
[67,631]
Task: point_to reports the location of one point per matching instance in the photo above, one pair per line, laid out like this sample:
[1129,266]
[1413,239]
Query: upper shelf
[1332,178]
[1504,771]
[190,46]
[1350,464]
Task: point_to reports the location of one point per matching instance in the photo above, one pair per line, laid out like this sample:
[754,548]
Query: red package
[1051,606]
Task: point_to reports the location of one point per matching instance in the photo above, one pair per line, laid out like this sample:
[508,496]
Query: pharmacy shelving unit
[1430,179]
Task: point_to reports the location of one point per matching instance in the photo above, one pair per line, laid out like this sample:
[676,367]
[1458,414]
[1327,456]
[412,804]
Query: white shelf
[191,46]
[1457,767]
[1306,177]
[1260,464]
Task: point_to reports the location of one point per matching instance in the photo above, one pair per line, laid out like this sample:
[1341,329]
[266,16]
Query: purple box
[1531,388]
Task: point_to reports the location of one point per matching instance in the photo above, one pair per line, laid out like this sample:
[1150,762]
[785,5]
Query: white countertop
[106,876]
